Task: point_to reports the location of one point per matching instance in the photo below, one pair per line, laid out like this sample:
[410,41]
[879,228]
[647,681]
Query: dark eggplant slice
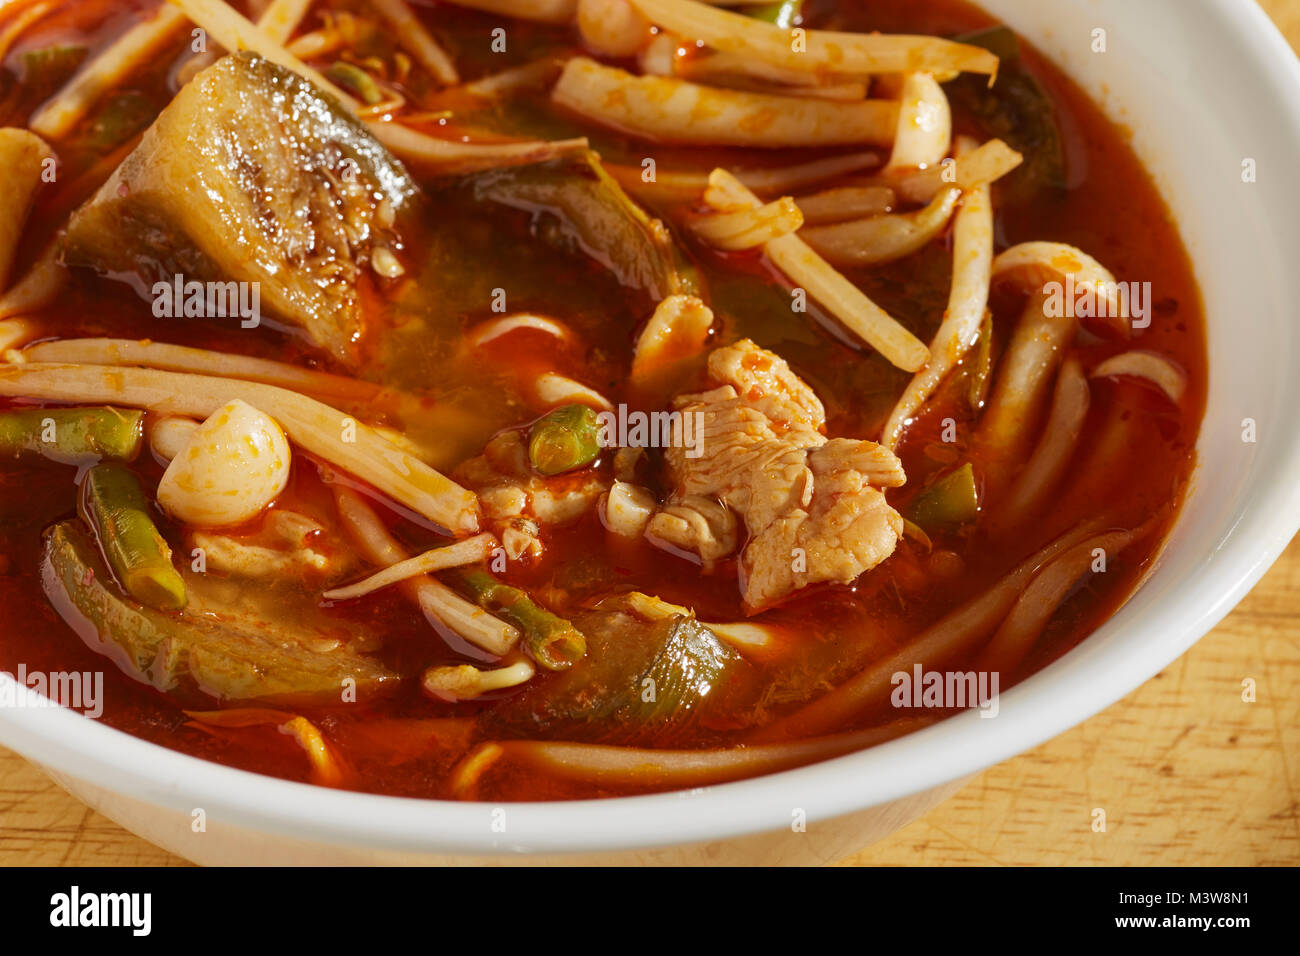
[234,659]
[251,174]
[1016,110]
[642,682]
[578,206]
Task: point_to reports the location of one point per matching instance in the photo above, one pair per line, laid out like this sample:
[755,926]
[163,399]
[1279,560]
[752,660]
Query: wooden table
[1186,771]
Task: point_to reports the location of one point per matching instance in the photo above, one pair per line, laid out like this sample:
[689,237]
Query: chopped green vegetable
[115,506]
[235,659]
[949,503]
[121,118]
[565,439]
[786,14]
[552,641]
[356,80]
[1016,110]
[72,436]
[46,69]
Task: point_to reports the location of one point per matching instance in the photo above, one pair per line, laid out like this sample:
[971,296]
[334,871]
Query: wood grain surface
[1186,771]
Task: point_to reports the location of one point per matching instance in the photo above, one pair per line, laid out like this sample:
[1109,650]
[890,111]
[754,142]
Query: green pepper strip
[113,503]
[553,642]
[72,435]
[951,501]
[565,439]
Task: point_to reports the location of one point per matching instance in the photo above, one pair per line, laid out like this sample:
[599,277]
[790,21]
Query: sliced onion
[1158,370]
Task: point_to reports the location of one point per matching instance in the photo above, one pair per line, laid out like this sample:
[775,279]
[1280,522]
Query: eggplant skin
[644,683]
[251,174]
[187,652]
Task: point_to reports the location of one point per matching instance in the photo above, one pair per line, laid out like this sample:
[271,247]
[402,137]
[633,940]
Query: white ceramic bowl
[1204,85]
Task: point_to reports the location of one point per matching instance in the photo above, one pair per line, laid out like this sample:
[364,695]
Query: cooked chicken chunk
[813,508]
[286,544]
[518,502]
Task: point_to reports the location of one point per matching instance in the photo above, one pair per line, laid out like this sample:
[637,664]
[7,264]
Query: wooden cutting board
[1186,771]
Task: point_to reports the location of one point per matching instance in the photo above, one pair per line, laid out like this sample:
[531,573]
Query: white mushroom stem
[470,551]
[924,124]
[1158,370]
[466,682]
[439,603]
[884,238]
[972,259]
[1047,465]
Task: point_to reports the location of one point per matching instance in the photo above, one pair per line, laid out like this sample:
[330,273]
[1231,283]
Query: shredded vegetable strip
[439,603]
[126,54]
[634,766]
[972,263]
[986,164]
[466,682]
[844,203]
[277,21]
[670,110]
[924,124]
[1046,466]
[1160,370]
[469,551]
[841,297]
[326,768]
[452,157]
[690,185]
[410,32]
[320,430]
[822,50]
[350,393]
[234,32]
[1043,598]
[886,238]
[747,228]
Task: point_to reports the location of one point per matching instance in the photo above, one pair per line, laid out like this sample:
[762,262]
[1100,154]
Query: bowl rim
[71,744]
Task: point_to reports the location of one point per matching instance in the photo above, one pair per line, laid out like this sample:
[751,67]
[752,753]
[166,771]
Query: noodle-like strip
[670,110]
[108,69]
[972,260]
[438,602]
[841,297]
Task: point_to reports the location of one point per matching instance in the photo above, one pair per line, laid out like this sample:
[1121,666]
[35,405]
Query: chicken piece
[287,544]
[695,524]
[813,508]
[517,502]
